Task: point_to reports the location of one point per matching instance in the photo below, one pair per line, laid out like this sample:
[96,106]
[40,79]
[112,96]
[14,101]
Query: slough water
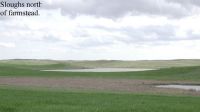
[102,70]
[184,87]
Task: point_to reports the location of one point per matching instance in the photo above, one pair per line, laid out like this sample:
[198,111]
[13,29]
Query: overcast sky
[104,29]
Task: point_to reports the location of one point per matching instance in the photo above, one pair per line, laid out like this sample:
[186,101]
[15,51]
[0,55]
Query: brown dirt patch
[117,85]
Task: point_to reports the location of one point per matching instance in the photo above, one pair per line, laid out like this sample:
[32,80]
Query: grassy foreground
[13,100]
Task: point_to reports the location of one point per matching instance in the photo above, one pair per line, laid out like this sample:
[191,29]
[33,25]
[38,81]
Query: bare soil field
[116,85]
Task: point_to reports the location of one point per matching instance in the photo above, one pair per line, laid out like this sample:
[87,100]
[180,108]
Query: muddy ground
[116,85]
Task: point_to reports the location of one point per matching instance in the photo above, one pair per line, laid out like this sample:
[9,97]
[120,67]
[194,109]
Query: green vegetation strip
[176,73]
[13,100]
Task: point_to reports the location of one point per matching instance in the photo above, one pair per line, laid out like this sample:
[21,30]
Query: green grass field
[175,73]
[13,100]
[20,99]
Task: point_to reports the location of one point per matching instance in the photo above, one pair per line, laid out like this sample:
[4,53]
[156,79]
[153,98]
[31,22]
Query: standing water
[185,87]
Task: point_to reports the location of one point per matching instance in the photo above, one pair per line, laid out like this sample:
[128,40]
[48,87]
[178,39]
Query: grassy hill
[32,68]
[55,64]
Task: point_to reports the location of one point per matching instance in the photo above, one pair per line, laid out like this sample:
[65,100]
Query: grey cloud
[50,38]
[80,32]
[192,36]
[149,34]
[154,34]
[166,33]
[3,18]
[86,39]
[118,8]
[93,42]
[187,3]
[162,32]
